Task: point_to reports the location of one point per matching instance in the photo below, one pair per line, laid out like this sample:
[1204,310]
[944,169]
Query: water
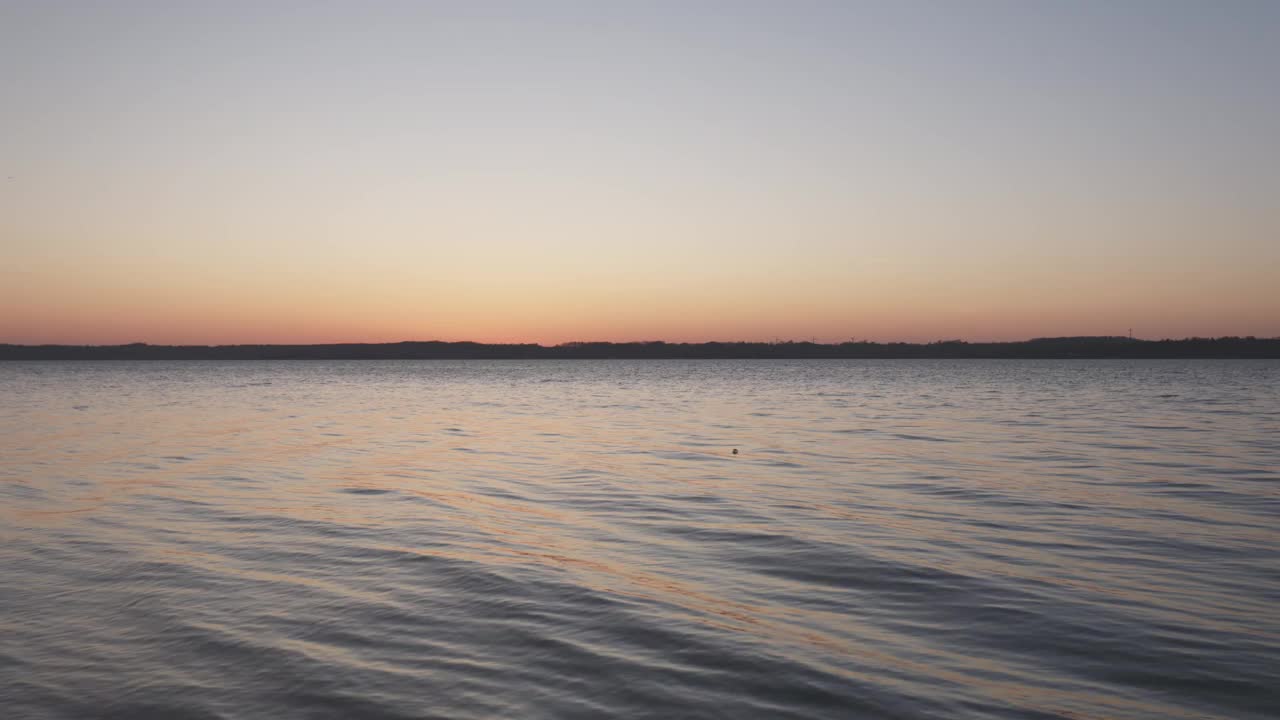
[903,539]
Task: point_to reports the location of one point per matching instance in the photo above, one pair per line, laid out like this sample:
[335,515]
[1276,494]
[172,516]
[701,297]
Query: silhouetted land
[1042,348]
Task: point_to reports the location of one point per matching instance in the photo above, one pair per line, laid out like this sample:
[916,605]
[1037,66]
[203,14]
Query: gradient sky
[215,172]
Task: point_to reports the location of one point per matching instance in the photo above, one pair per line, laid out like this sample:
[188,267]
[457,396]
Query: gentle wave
[931,539]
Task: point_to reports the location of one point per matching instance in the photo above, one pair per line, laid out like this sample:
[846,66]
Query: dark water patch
[923,438]
[22,490]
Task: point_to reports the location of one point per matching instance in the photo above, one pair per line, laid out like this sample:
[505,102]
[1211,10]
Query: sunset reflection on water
[919,539]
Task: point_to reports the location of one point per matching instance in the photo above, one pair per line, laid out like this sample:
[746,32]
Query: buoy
[735,451]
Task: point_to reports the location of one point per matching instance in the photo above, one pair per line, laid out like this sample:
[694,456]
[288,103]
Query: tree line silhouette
[1100,347]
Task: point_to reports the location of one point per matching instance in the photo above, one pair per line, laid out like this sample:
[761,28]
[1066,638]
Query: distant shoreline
[1098,348]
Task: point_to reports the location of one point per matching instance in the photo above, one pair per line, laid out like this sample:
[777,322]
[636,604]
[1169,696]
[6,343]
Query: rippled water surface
[904,539]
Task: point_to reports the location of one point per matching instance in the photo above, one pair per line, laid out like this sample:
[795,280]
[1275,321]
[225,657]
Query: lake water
[576,539]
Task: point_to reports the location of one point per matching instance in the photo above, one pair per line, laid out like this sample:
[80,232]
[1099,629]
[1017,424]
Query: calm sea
[577,539]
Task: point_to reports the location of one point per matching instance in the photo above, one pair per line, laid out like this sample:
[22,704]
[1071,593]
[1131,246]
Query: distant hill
[1039,348]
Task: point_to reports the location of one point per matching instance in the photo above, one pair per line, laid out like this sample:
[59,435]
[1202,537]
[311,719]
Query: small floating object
[735,451]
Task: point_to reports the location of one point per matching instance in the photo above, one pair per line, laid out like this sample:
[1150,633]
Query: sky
[271,171]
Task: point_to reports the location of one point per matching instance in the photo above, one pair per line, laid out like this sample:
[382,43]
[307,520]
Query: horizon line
[572,343]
